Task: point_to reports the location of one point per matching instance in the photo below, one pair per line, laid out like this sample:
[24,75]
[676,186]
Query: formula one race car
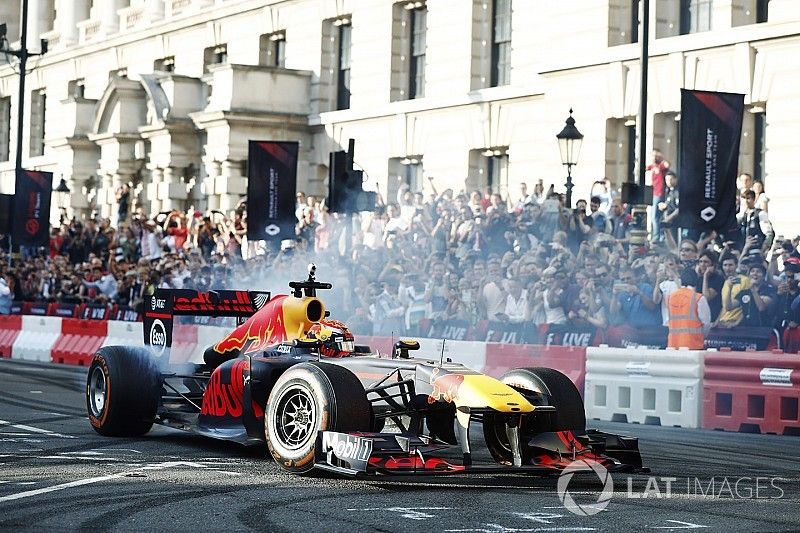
[295,379]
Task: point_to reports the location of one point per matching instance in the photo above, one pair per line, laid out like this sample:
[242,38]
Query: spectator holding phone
[757,301]
[734,283]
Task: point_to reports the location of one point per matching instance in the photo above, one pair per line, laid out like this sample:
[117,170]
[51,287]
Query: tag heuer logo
[708,213]
[272,230]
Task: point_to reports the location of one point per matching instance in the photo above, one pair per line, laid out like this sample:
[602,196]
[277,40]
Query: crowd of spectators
[470,256]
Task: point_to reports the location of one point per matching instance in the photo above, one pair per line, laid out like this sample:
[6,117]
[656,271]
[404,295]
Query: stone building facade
[164,94]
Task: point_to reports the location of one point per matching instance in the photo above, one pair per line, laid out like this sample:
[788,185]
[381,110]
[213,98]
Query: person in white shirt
[516,301]
[666,284]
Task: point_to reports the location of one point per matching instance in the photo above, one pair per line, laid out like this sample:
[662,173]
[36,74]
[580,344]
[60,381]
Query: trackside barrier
[124,334]
[752,392]
[471,354]
[184,344]
[382,345]
[570,360]
[644,386]
[79,340]
[37,337]
[10,326]
[209,335]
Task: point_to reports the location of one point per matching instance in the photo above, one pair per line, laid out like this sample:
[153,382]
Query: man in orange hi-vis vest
[689,314]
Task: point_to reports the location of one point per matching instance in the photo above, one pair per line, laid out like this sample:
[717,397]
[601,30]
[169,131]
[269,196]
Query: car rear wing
[164,304]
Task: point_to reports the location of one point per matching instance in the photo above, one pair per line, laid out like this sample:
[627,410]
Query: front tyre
[557,390]
[306,399]
[122,391]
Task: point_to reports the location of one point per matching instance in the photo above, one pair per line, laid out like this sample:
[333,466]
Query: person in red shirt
[56,242]
[658,171]
[175,225]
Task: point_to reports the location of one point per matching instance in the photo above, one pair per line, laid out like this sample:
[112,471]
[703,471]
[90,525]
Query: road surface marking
[681,525]
[99,479]
[36,430]
[412,513]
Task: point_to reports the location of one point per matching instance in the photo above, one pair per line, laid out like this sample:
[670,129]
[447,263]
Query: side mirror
[402,347]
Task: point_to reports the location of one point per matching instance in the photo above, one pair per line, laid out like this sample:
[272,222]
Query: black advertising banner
[271,189]
[741,338]
[31,223]
[710,128]
[568,335]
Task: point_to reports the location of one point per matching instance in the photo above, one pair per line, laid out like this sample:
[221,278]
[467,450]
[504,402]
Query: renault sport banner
[31,223]
[271,189]
[711,124]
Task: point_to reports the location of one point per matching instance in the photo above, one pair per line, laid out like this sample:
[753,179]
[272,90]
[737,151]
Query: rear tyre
[557,390]
[306,399]
[122,391]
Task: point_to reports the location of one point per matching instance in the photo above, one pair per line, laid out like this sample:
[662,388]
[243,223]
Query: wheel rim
[295,418]
[97,391]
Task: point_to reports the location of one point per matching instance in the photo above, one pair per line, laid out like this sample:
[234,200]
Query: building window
[497,171]
[416,71]
[762,11]
[76,89]
[5,128]
[412,172]
[695,16]
[38,105]
[165,64]
[620,150]
[215,55]
[272,50]
[343,66]
[501,43]
[759,145]
[623,22]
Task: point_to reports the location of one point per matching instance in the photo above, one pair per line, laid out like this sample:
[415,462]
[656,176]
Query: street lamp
[569,144]
[62,198]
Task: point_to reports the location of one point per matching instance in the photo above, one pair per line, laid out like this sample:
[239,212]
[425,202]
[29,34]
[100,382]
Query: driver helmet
[334,338]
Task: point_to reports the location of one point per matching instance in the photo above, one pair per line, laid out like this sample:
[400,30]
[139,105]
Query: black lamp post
[569,144]
[62,198]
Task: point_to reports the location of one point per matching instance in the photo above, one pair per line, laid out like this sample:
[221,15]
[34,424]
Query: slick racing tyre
[558,391]
[309,398]
[122,391]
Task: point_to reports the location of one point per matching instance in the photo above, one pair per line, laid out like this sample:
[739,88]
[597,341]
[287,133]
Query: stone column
[173,192]
[234,185]
[109,19]
[105,196]
[70,12]
[156,179]
[155,9]
[40,19]
[209,187]
[782,10]
[721,15]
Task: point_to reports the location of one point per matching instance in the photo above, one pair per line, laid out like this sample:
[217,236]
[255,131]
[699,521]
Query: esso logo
[158,335]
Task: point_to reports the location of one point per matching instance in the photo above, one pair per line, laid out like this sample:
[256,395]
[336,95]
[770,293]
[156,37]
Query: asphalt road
[57,474]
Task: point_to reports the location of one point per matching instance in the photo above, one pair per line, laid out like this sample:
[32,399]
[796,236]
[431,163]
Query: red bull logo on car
[263,329]
[445,388]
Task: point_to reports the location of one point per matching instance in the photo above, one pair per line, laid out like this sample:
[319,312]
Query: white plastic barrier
[124,334]
[37,337]
[644,386]
[209,335]
[471,354]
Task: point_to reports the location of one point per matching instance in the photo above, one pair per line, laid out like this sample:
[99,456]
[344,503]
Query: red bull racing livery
[292,378]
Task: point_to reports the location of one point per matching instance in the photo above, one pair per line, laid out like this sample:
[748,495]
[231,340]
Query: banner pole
[23,60]
[643,94]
